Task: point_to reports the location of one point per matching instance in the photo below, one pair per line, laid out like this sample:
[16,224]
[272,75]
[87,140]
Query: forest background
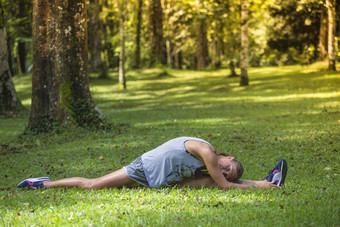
[187,34]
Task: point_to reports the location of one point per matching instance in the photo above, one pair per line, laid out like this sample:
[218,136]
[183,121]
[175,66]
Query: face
[228,167]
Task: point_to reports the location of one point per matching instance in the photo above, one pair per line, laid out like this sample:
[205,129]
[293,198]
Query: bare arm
[205,152]
[208,182]
[257,184]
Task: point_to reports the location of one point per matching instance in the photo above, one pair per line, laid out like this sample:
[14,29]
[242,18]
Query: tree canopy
[177,33]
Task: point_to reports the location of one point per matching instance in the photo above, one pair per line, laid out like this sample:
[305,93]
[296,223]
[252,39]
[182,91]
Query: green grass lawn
[290,112]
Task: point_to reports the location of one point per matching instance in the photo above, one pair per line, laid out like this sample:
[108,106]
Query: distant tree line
[188,34]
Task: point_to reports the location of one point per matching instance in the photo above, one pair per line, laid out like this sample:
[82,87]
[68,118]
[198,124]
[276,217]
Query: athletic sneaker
[33,182]
[278,174]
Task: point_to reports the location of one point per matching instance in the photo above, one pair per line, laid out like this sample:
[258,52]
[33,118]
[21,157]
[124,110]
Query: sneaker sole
[284,169]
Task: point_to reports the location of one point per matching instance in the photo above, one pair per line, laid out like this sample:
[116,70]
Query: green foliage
[281,32]
[295,25]
[287,112]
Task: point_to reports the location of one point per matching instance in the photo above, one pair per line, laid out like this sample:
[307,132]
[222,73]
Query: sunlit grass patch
[287,112]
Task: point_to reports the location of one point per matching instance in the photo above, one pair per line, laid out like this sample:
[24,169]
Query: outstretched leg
[116,179]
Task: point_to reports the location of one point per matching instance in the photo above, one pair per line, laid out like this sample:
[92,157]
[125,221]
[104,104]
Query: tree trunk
[21,57]
[21,51]
[178,59]
[60,81]
[202,47]
[9,51]
[168,34]
[138,31]
[201,40]
[176,49]
[122,44]
[9,101]
[216,56]
[323,33]
[331,30]
[244,43]
[157,47]
[94,35]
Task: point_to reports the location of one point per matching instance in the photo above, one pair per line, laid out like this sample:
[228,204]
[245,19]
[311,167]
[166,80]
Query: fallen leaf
[323,188]
[218,204]
[18,215]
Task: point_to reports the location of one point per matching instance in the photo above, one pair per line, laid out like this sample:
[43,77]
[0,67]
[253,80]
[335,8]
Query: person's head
[231,168]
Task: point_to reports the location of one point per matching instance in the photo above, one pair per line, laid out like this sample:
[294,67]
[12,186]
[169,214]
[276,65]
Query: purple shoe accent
[33,182]
[278,174]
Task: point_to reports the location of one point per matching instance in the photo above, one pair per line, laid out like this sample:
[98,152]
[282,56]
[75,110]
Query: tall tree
[157,47]
[244,43]
[167,7]
[8,97]
[94,35]
[138,33]
[323,33]
[21,52]
[201,39]
[60,81]
[331,30]
[19,32]
[121,9]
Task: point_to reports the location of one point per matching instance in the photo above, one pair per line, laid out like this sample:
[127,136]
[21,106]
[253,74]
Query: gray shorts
[135,172]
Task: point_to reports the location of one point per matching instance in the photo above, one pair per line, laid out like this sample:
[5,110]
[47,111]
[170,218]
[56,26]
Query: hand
[265,184]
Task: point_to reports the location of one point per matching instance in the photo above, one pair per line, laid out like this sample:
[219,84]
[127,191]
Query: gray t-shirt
[170,163]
